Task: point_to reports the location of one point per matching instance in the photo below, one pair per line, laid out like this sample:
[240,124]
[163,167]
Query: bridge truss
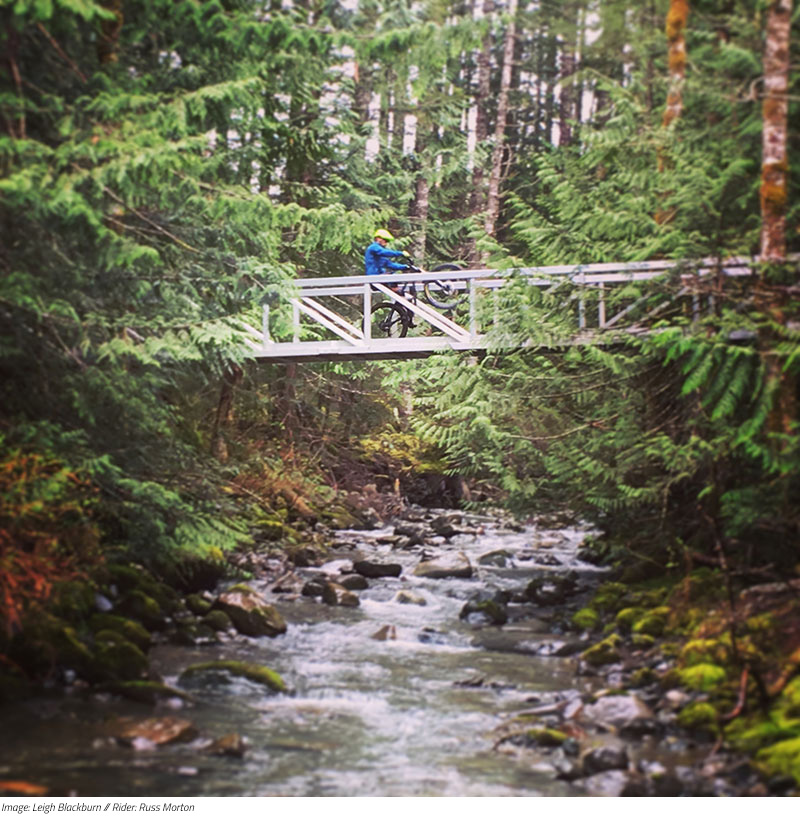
[331,317]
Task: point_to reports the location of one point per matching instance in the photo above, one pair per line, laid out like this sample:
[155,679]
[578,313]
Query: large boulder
[250,613]
[448,566]
[625,713]
[256,673]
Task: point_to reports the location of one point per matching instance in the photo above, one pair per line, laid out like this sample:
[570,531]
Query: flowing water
[413,715]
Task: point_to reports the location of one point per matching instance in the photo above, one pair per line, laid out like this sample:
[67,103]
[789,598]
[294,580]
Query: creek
[415,714]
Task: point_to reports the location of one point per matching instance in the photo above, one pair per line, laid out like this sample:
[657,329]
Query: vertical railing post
[473,308]
[296,321]
[367,312]
[581,302]
[601,307]
[695,308]
[265,324]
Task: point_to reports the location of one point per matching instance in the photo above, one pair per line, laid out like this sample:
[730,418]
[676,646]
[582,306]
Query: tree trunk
[774,163]
[493,195]
[568,102]
[224,416]
[676,26]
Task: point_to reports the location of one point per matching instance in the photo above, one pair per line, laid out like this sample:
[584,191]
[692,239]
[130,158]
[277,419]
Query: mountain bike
[393,320]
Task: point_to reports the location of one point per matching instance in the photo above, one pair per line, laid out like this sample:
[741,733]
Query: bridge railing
[591,290]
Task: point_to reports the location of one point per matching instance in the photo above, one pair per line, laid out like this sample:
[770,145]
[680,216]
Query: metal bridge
[331,318]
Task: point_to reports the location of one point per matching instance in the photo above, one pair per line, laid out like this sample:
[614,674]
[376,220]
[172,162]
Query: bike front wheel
[443,294]
[389,320]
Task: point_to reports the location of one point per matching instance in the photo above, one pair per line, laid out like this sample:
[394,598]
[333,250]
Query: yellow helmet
[383,234]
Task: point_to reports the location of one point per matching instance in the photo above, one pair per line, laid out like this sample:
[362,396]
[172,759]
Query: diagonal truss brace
[330,320]
[428,314]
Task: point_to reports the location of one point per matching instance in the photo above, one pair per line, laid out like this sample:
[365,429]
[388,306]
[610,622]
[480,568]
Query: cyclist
[378,257]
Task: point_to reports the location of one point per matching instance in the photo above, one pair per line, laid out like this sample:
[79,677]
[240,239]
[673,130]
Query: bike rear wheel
[389,320]
[443,294]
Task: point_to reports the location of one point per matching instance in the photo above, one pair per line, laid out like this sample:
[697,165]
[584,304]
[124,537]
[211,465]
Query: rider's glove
[407,255]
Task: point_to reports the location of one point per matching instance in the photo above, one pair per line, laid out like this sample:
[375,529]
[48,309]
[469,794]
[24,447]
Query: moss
[652,623]
[118,660]
[545,737]
[782,758]
[273,530]
[642,641]
[610,597]
[146,692]
[252,672]
[218,620]
[586,619]
[130,578]
[130,630]
[137,604]
[604,652]
[698,715]
[704,651]
[643,676]
[703,677]
[197,605]
[46,641]
[627,617]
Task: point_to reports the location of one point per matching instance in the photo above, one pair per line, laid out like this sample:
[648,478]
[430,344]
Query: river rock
[448,566]
[313,587]
[386,633]
[414,533]
[256,673]
[156,731]
[604,759]
[338,596]
[626,713]
[485,608]
[407,597]
[376,570]
[250,613]
[354,582]
[446,525]
[549,590]
[495,558]
[232,745]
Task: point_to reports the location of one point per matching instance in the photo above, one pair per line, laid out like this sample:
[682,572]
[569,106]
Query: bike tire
[442,294]
[389,320]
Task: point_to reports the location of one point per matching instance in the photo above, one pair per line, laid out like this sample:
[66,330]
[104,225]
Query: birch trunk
[774,162]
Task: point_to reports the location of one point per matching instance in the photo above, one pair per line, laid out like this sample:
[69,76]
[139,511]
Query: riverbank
[441,653]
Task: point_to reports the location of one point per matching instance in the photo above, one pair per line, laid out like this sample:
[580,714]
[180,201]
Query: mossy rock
[642,641]
[218,620]
[627,617]
[197,605]
[610,597]
[252,672]
[604,652]
[129,578]
[643,676]
[653,622]
[117,661]
[703,677]
[648,598]
[46,641]
[131,630]
[586,618]
[704,651]
[782,758]
[137,604]
[545,737]
[146,692]
[698,716]
[250,613]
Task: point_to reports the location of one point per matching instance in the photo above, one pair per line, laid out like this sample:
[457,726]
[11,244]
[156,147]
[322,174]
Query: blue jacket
[377,260]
